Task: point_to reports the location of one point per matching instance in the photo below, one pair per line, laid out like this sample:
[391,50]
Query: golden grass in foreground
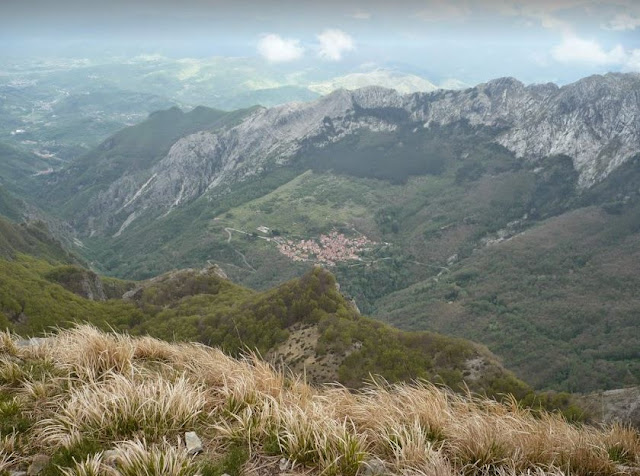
[83,392]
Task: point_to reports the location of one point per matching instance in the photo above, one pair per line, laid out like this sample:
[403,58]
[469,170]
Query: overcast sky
[473,41]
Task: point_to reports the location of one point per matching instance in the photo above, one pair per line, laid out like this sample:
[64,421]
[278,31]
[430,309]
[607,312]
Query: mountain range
[59,108]
[504,213]
[594,121]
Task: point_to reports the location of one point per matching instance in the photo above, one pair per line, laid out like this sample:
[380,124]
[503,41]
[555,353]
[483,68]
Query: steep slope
[557,301]
[10,206]
[42,284]
[17,167]
[83,401]
[32,239]
[437,227]
[594,121]
[201,305]
[345,346]
[128,153]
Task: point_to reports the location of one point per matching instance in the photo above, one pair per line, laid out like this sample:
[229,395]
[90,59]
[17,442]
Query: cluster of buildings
[328,249]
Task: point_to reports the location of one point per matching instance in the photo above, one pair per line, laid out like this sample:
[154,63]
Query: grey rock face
[193,443]
[616,406]
[596,121]
[38,463]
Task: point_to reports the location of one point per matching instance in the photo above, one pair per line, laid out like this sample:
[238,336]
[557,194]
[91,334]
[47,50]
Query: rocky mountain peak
[595,121]
[542,91]
[499,85]
[375,97]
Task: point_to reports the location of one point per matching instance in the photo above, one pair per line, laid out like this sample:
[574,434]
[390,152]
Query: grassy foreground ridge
[88,403]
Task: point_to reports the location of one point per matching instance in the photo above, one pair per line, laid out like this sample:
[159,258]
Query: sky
[471,41]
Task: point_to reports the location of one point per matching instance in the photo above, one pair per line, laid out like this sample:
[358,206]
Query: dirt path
[244,258]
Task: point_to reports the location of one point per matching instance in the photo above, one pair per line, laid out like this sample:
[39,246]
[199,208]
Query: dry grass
[139,395]
[136,458]
[88,354]
[118,407]
[7,343]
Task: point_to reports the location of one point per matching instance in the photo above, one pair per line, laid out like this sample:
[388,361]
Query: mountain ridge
[431,201]
[43,287]
[594,121]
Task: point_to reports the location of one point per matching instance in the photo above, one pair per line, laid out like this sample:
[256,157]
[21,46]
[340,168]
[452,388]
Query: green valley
[436,231]
[48,289]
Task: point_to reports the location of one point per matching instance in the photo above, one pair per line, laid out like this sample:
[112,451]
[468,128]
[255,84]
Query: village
[327,249]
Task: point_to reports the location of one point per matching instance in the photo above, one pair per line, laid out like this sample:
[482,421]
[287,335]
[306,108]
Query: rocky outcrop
[177,284]
[595,121]
[621,405]
[87,284]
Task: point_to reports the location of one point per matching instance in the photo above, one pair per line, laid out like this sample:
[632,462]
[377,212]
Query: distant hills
[62,107]
[403,83]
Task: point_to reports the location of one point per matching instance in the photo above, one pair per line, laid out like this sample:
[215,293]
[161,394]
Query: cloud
[361,15]
[589,52]
[541,12]
[276,49]
[333,44]
[577,50]
[561,15]
[633,61]
[547,13]
[623,22]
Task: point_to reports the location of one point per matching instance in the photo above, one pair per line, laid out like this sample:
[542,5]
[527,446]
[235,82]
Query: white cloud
[577,50]
[333,44]
[589,52]
[622,22]
[276,49]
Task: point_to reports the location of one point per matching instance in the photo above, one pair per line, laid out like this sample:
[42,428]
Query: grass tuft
[138,396]
[119,407]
